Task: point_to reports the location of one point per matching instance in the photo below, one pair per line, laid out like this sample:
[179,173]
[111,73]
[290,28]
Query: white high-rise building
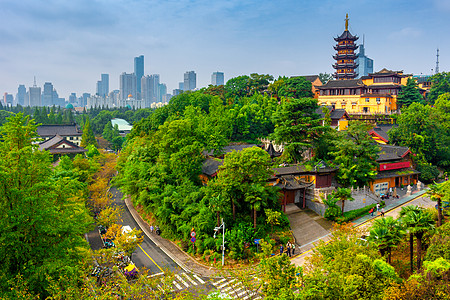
[217,78]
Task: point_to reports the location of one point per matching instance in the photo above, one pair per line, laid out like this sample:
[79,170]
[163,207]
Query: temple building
[345,58]
[373,94]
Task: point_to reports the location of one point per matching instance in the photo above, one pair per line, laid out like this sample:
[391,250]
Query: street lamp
[216,229]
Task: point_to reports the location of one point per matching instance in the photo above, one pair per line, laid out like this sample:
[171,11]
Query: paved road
[147,254]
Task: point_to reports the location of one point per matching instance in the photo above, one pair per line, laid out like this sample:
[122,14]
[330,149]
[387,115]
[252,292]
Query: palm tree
[418,222]
[343,194]
[436,193]
[385,233]
[404,211]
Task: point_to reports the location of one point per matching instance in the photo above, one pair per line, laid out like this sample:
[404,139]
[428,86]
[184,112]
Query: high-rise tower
[190,81]
[217,78]
[345,58]
[139,72]
[127,85]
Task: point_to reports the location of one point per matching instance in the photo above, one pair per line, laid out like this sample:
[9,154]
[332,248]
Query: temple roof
[346,35]
[62,130]
[350,83]
[290,182]
[389,152]
[386,72]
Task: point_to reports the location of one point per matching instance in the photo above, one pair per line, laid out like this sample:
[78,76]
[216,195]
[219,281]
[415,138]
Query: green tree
[332,211]
[293,87]
[324,77]
[279,277]
[436,193]
[409,94]
[417,221]
[343,194]
[88,138]
[440,85]
[272,217]
[356,155]
[43,218]
[297,126]
[385,233]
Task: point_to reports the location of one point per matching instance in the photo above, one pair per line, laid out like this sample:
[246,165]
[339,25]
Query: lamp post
[216,229]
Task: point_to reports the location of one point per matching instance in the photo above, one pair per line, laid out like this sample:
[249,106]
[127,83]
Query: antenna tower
[437,61]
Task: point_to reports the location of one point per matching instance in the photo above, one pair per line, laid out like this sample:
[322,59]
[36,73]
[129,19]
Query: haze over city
[71,43]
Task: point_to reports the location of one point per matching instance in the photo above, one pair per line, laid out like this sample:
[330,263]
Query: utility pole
[216,229]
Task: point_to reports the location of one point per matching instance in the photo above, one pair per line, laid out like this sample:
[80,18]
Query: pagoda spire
[346,22]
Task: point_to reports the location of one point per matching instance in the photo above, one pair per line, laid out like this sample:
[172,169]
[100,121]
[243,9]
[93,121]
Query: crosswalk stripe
[226,283]
[181,279]
[199,279]
[177,285]
[219,282]
[189,278]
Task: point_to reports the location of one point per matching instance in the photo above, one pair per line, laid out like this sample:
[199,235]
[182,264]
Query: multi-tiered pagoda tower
[345,58]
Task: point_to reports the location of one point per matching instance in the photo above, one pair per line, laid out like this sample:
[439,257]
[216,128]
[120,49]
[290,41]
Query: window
[367,99]
[71,138]
[378,100]
[366,109]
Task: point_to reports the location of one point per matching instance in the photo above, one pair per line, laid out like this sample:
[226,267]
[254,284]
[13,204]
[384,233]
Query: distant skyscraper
[162,91]
[176,92]
[21,93]
[73,98]
[8,99]
[127,85]
[34,95]
[103,86]
[365,64]
[47,94]
[139,72]
[190,81]
[181,86]
[217,78]
[149,86]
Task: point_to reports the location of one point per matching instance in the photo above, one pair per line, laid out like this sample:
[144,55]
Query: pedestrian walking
[293,249]
[281,249]
[371,211]
[288,249]
[151,228]
[378,207]
[382,212]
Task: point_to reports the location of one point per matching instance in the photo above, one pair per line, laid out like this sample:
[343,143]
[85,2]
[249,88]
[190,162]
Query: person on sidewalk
[382,212]
[151,228]
[293,248]
[288,249]
[378,207]
[281,249]
[371,211]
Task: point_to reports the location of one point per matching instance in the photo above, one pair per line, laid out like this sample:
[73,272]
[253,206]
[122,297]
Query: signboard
[193,239]
[381,188]
[192,233]
[395,166]
[257,241]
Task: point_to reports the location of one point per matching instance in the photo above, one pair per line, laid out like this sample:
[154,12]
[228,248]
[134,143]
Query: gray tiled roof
[211,166]
[389,152]
[350,83]
[62,130]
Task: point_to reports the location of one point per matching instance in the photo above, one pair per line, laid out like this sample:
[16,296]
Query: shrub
[428,172]
[353,214]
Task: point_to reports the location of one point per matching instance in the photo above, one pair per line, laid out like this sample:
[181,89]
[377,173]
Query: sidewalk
[185,261]
[391,209]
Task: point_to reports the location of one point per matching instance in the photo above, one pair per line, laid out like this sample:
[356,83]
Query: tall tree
[88,138]
[409,94]
[436,193]
[297,126]
[43,218]
[418,222]
[356,155]
[343,194]
[385,233]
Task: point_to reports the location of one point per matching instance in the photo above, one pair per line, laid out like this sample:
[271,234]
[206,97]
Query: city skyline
[71,44]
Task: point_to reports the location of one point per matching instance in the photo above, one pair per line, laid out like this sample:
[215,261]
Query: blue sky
[70,43]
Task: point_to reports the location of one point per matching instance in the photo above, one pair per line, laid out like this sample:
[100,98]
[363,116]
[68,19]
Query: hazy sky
[71,42]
